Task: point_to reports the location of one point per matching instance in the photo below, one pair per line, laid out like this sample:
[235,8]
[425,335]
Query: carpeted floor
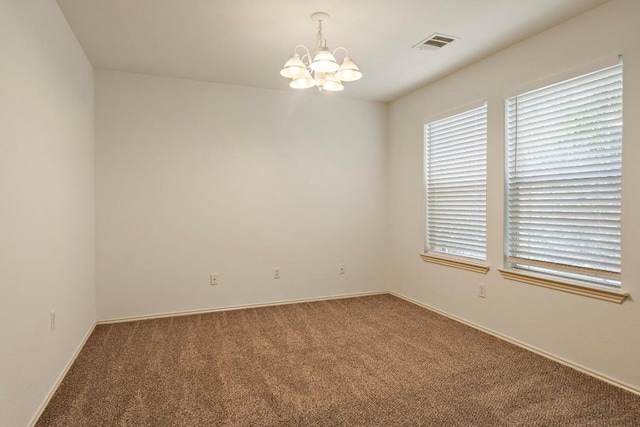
[368,361]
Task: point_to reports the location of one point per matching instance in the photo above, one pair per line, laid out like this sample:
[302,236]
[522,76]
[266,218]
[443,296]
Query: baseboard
[234,307]
[524,345]
[64,372]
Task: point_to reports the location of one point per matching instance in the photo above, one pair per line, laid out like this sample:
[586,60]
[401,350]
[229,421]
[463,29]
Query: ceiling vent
[435,41]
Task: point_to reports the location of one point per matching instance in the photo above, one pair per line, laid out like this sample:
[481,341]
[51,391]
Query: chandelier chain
[319,37]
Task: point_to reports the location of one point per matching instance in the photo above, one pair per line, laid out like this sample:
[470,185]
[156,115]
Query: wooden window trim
[610,295]
[456,262]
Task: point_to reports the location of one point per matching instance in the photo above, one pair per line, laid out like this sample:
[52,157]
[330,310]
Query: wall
[46,203]
[601,336]
[194,178]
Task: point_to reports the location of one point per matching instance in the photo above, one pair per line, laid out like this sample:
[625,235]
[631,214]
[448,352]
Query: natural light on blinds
[564,178]
[455,176]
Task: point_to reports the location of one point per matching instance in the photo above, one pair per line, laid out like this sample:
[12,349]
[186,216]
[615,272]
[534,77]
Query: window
[564,153]
[455,178]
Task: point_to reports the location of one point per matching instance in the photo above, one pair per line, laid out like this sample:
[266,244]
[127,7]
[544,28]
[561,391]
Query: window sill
[460,263]
[565,286]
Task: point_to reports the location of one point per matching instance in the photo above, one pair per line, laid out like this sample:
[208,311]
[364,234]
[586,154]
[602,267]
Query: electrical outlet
[276,272]
[482,290]
[214,279]
[52,321]
[340,268]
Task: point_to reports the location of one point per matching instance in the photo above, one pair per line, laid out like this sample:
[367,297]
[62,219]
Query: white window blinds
[564,178]
[455,177]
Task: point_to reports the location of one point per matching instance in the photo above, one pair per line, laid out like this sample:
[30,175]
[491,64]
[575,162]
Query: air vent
[435,41]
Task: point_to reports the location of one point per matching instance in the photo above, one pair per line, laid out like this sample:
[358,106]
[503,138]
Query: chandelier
[321,69]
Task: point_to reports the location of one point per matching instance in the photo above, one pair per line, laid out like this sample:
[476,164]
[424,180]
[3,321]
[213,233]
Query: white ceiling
[246,42]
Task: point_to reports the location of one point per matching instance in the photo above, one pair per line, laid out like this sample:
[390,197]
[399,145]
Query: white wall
[46,202]
[602,336]
[194,178]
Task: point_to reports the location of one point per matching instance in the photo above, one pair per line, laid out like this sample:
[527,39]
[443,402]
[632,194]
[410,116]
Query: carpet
[366,361]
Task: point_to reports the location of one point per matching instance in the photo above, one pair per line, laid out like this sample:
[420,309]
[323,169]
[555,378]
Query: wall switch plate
[276,272]
[214,279]
[482,290]
[340,268]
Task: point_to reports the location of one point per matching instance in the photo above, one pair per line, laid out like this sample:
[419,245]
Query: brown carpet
[369,361]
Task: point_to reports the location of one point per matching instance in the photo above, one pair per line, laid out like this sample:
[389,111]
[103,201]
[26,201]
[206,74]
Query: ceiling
[246,42]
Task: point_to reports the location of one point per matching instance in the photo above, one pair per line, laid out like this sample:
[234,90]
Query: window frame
[553,281]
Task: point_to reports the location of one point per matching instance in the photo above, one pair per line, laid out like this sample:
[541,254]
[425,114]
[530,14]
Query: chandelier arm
[340,48]
[306,52]
[309,59]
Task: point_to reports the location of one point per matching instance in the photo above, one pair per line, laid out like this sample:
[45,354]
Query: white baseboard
[235,307]
[64,372]
[526,346]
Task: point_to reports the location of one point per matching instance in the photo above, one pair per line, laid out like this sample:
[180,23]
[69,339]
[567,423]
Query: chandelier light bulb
[293,68]
[348,71]
[324,62]
[332,84]
[303,82]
